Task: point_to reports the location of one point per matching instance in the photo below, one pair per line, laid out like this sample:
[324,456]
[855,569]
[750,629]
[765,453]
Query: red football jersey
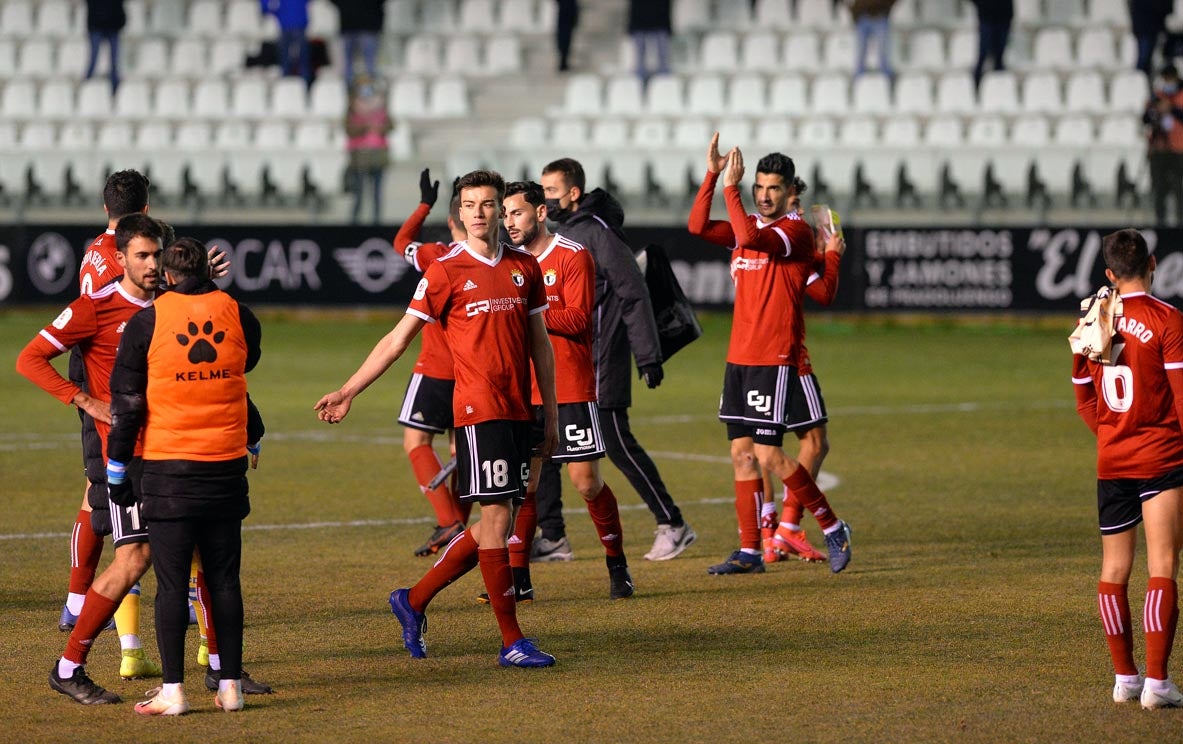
[94,323]
[99,265]
[821,288]
[569,275]
[484,307]
[435,358]
[1139,396]
[767,325]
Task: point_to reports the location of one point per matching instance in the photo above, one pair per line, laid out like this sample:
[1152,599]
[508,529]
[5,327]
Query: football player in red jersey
[771,253]
[427,404]
[1134,405]
[489,299]
[569,274]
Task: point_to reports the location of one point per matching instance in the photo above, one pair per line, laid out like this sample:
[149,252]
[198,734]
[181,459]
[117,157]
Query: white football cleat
[1164,694]
[1128,692]
[161,705]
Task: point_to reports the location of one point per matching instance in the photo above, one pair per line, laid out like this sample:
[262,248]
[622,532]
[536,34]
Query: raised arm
[715,231]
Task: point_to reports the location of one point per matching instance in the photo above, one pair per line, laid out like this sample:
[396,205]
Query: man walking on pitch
[489,299]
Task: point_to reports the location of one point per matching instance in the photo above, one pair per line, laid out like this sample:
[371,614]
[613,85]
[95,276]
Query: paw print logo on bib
[202,350]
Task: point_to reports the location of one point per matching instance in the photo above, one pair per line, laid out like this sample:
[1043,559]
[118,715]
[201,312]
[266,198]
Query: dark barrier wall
[895,269]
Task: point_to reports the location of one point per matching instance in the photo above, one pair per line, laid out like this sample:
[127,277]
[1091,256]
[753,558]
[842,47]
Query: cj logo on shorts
[761,403]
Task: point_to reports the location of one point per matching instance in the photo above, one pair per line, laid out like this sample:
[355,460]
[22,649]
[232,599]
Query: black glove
[652,375]
[429,192]
[121,493]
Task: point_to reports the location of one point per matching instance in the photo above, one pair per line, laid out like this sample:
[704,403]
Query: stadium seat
[745,95]
[839,51]
[56,19]
[462,56]
[422,55]
[664,96]
[400,15]
[18,102]
[625,171]
[325,157]
[963,49]
[624,97]
[150,59]
[1121,131]
[77,143]
[773,134]
[133,100]
[569,132]
[1085,93]
[686,15]
[284,172]
[73,55]
[523,16]
[903,14]
[1112,13]
[944,132]
[289,98]
[211,98]
[786,96]
[732,14]
[35,58]
[986,131]
[651,134]
[606,134]
[476,16]
[691,134]
[449,98]
[1060,12]
[1094,49]
[205,18]
[802,52]
[94,99]
[999,93]
[913,93]
[227,56]
[57,100]
[814,14]
[408,99]
[47,163]
[172,103]
[901,133]
[503,54]
[926,50]
[7,58]
[248,99]
[1030,132]
[1053,50]
[328,98]
[204,166]
[243,161]
[13,162]
[16,19]
[244,21]
[438,16]
[719,52]
[167,20]
[323,19]
[137,17]
[761,51]
[705,95]
[584,95]
[773,14]
[190,58]
[673,172]
[830,94]
[1041,93]
[1028,13]
[858,132]
[1128,92]
[816,133]
[1074,131]
[871,94]
[955,94]
[156,149]
[734,130]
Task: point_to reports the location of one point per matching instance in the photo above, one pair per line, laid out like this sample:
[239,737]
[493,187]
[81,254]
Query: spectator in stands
[565,23]
[295,57]
[366,126]
[649,24]
[994,20]
[872,20]
[104,20]
[1148,19]
[361,29]
[1164,132]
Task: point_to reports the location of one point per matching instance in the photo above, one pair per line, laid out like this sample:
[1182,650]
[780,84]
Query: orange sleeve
[718,232]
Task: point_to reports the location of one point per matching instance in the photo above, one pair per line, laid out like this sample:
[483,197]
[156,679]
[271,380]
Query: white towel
[1094,331]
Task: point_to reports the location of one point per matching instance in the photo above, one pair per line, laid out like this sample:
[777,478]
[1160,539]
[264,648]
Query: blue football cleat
[838,543]
[68,620]
[739,562]
[414,623]
[526,655]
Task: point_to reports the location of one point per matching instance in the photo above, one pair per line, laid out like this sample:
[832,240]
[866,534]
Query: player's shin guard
[85,549]
[96,611]
[127,619]
[499,584]
[456,559]
[605,515]
[1159,618]
[426,465]
[749,498]
[801,483]
[522,539]
[1114,604]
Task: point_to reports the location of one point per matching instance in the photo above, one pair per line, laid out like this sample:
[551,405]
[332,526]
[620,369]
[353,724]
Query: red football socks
[793,510]
[455,559]
[1114,604]
[749,498]
[427,465]
[96,611]
[85,549]
[523,532]
[801,483]
[499,585]
[211,632]
[605,515]
[1159,619]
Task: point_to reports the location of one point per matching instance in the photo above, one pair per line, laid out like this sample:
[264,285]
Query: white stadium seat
[172,100]
[664,96]
[583,95]
[830,94]
[449,98]
[802,51]
[815,13]
[720,52]
[705,95]
[1041,93]
[1085,93]
[205,18]
[773,14]
[871,94]
[94,99]
[476,16]
[999,93]
[955,94]
[761,51]
[1053,50]
[746,95]
[56,100]
[408,98]
[289,98]
[786,95]
[914,94]
[328,98]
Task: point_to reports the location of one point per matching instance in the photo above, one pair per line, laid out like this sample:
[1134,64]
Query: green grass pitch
[968,612]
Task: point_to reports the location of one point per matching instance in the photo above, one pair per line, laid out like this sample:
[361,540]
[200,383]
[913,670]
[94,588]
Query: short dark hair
[530,191]
[571,169]
[126,192]
[478,178]
[799,185]
[777,164]
[170,235]
[186,258]
[136,225]
[1126,253]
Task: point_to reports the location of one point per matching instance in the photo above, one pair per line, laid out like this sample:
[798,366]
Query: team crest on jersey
[549,277]
[60,321]
[518,277]
[421,289]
